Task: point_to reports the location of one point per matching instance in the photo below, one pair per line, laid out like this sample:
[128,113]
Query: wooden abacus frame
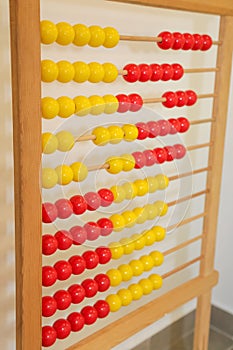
[25,48]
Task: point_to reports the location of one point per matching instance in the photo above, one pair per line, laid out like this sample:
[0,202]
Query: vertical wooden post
[222,84]
[26,86]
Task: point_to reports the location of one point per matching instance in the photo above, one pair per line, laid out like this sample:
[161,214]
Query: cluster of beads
[64,34]
[153,72]
[186,41]
[179,98]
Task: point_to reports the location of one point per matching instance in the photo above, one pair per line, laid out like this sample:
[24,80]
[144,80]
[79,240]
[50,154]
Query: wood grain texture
[25,52]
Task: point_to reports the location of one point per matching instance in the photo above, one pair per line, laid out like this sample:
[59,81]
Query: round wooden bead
[128,162]
[76,321]
[93,200]
[207,42]
[178,71]
[157,72]
[90,314]
[49,212]
[49,244]
[79,204]
[159,232]
[118,222]
[111,37]
[97,36]
[198,42]
[93,230]
[110,72]
[130,132]
[124,103]
[143,130]
[149,236]
[146,285]
[48,32]
[62,328]
[116,134]
[136,102]
[114,302]
[184,124]
[49,306]
[64,208]
[168,72]
[147,262]
[157,258]
[77,293]
[65,141]
[82,35]
[152,211]
[49,276]
[160,154]
[171,99]
[49,336]
[116,250]
[49,71]
[91,258]
[133,73]
[49,178]
[141,215]
[66,33]
[192,97]
[82,106]
[82,72]
[154,129]
[145,72]
[115,165]
[182,98]
[137,267]
[179,41]
[162,180]
[97,104]
[136,291]
[156,280]
[66,107]
[64,239]
[139,241]
[150,157]
[130,218]
[174,126]
[66,71]
[78,264]
[111,104]
[103,282]
[90,286]
[130,190]
[49,143]
[106,226]
[167,40]
[140,160]
[63,299]
[171,153]
[104,254]
[80,171]
[153,184]
[65,174]
[180,151]
[49,107]
[128,245]
[102,308]
[64,269]
[96,72]
[164,127]
[161,207]
[126,272]
[189,41]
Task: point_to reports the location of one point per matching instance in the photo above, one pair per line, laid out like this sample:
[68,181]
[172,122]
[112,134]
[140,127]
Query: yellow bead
[128,162]
[115,277]
[65,141]
[65,33]
[82,35]
[118,193]
[127,245]
[49,143]
[157,257]
[161,207]
[97,104]
[82,105]
[136,291]
[102,136]
[125,296]
[111,104]
[130,190]
[96,72]
[48,32]
[111,37]
[116,250]
[137,267]
[150,237]
[65,71]
[147,286]
[130,218]
[110,72]
[82,72]
[65,174]
[49,71]
[130,132]
[163,181]
[49,107]
[115,165]
[97,36]
[49,178]
[142,187]
[147,261]
[139,241]
[66,106]
[159,232]
[118,222]
[141,215]
[153,184]
[116,134]
[126,272]
[156,280]
[152,211]
[80,171]
[114,302]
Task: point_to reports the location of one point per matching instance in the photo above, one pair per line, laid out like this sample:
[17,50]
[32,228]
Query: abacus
[98,265]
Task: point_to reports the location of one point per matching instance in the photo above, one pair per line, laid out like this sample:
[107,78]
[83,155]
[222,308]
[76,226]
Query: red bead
[179,41]
[106,197]
[49,276]
[102,308]
[79,234]
[103,282]
[91,287]
[49,306]
[150,157]
[198,42]
[49,244]
[133,73]
[192,97]
[184,124]
[164,127]
[62,327]
[167,40]
[104,254]
[143,130]
[77,293]
[64,208]
[90,314]
[106,226]
[146,72]
[91,258]
[124,103]
[78,264]
[178,71]
[182,98]
[171,99]
[93,230]
[79,204]
[49,336]
[93,200]
[167,72]
[207,42]
[63,299]
[180,151]
[76,321]
[64,270]
[160,155]
[49,212]
[64,239]
[140,160]
[157,72]
[189,41]
[174,125]
[136,102]
[171,153]
[154,129]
